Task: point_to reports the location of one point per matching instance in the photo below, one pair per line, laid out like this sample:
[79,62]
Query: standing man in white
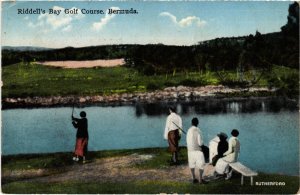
[196,159]
[172,133]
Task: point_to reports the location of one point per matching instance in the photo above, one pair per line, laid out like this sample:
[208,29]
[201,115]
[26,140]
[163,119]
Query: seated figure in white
[231,155]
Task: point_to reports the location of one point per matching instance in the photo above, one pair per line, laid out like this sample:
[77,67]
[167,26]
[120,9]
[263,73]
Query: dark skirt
[173,139]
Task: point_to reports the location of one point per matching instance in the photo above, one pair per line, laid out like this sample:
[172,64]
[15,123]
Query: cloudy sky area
[170,23]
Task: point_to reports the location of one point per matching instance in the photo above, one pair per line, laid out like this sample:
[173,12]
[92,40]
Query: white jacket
[194,139]
[231,155]
[173,122]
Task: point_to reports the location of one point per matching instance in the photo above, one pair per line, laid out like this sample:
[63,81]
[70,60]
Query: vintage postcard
[150,97]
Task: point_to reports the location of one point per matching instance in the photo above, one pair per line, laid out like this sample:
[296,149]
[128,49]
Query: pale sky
[166,22]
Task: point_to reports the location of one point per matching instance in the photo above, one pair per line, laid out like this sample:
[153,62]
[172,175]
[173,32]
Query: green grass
[23,80]
[54,160]
[36,161]
[159,161]
[20,80]
[155,187]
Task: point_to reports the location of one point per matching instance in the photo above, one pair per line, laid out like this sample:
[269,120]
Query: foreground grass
[155,187]
[23,80]
[161,155]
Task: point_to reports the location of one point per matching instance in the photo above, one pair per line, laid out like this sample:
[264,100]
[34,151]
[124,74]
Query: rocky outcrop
[168,94]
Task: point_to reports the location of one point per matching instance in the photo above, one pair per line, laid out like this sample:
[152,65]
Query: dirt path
[116,169]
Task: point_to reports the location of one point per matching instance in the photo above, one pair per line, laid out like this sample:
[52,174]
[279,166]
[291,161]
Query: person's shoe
[203,182]
[173,163]
[217,176]
[228,176]
[195,181]
[75,159]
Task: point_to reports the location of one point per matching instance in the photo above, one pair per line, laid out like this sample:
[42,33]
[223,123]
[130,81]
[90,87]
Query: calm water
[269,129]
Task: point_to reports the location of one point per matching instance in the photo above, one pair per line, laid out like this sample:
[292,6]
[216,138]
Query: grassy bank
[22,80]
[62,163]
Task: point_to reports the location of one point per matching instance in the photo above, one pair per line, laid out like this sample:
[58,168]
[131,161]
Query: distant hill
[25,48]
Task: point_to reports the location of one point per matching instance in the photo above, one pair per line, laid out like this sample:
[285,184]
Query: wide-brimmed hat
[222,134]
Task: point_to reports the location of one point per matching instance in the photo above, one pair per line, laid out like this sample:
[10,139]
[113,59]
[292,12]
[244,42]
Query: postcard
[150,97]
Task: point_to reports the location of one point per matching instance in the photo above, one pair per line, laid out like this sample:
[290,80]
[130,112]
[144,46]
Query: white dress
[231,155]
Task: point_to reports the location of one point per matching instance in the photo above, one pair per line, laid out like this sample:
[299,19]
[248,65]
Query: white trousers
[196,159]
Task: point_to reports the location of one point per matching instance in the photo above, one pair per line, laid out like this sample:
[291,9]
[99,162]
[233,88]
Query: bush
[233,83]
[286,85]
[152,86]
[192,83]
[169,84]
[148,70]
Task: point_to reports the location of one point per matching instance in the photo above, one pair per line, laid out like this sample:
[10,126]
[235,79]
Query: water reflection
[216,106]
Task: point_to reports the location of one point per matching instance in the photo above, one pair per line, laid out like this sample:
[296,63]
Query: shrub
[152,86]
[169,84]
[192,83]
[234,83]
[286,85]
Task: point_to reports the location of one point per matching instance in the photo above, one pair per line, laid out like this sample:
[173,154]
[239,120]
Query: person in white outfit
[196,159]
[172,133]
[231,155]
